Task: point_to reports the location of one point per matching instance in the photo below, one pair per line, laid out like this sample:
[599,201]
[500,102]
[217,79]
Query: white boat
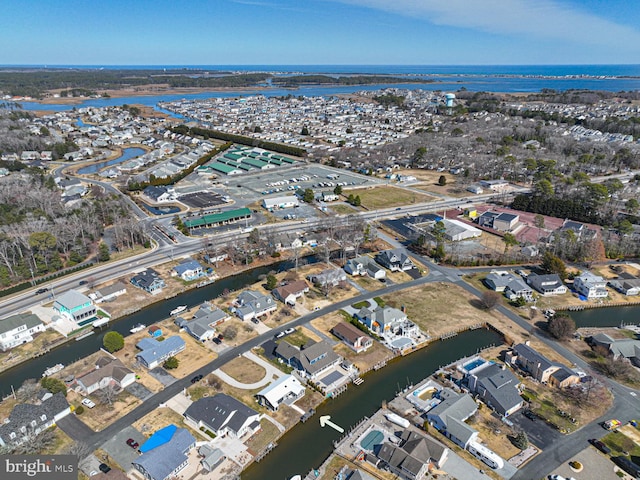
[178,310]
[52,370]
[138,328]
[296,477]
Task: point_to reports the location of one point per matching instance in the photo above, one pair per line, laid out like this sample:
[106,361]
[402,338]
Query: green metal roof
[232,156]
[216,218]
[254,162]
[221,167]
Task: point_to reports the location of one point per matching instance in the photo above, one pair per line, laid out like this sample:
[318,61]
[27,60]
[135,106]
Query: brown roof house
[355,339]
[109,371]
[290,292]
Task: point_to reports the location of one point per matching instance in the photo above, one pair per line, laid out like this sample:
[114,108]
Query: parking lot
[539,433]
[201,199]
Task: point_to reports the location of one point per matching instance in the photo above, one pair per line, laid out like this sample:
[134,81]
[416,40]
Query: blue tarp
[161,437]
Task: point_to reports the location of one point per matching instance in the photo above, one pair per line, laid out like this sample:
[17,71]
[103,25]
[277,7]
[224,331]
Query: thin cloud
[544,19]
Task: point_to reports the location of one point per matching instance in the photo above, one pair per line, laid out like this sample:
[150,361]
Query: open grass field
[268,433]
[386,197]
[244,370]
[343,209]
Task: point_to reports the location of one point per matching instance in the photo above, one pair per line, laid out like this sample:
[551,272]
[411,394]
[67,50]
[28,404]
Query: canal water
[127,154]
[74,350]
[607,317]
[307,445]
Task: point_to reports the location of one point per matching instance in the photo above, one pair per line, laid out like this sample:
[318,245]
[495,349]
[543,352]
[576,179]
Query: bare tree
[79,449]
[107,394]
[490,299]
[28,391]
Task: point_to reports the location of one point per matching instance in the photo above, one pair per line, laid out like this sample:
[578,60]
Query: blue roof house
[165,453]
[189,270]
[155,352]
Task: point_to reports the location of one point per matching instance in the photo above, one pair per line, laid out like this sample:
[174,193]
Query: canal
[607,317]
[75,350]
[127,154]
[307,444]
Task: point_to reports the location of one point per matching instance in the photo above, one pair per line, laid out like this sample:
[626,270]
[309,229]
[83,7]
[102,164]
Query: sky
[320,32]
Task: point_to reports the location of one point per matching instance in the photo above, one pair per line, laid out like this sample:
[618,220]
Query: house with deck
[387,321]
[148,280]
[497,387]
[547,285]
[537,365]
[450,414]
[202,324]
[224,416]
[108,371]
[75,306]
[155,352]
[590,286]
[286,389]
[355,339]
[311,360]
[188,270]
[251,304]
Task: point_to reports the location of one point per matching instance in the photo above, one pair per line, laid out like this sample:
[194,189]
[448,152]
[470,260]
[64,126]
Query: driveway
[119,452]
[139,391]
[164,377]
[540,434]
[75,428]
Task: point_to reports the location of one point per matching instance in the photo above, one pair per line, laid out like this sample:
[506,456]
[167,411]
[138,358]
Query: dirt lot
[244,370]
[387,197]
[160,418]
[104,414]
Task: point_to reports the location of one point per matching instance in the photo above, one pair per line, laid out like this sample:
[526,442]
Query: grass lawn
[244,370]
[160,418]
[60,445]
[619,443]
[368,283]
[386,197]
[343,209]
[301,336]
[268,433]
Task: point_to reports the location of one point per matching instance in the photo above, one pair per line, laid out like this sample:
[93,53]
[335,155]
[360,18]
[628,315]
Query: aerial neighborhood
[209,287]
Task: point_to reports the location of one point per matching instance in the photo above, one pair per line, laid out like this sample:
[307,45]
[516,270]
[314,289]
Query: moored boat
[52,370]
[138,328]
[178,310]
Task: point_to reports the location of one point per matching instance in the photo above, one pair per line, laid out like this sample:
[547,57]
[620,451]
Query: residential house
[396,260]
[536,364]
[626,348]
[364,266]
[450,414]
[547,285]
[311,361]
[202,324]
[286,389]
[223,415]
[18,329]
[330,276]
[165,453]
[626,284]
[355,339]
[590,286]
[387,321]
[517,288]
[563,377]
[188,270]
[155,352]
[111,292]
[108,371]
[75,306]
[290,292]
[149,280]
[497,387]
[413,457]
[27,420]
[498,280]
[250,305]
[159,194]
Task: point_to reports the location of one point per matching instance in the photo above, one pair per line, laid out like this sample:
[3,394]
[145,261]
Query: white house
[590,285]
[288,201]
[188,270]
[287,389]
[252,304]
[18,329]
[223,415]
[108,371]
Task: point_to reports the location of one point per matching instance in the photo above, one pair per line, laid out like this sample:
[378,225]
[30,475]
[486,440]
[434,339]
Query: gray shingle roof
[15,321]
[220,411]
[160,462]
[24,414]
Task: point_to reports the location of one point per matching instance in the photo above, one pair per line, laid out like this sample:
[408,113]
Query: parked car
[289,331]
[279,335]
[529,414]
[255,320]
[600,445]
[216,340]
[196,379]
[88,403]
[42,290]
[104,468]
[132,443]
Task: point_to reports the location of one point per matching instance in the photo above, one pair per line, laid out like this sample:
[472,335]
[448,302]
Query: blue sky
[365,32]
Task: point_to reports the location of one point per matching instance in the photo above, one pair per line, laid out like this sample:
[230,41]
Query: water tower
[450,97]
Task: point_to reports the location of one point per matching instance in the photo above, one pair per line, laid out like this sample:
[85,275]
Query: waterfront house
[396,260]
[450,414]
[18,329]
[202,325]
[76,307]
[290,292]
[310,361]
[188,270]
[497,387]
[590,286]
[223,415]
[355,339]
[251,304]
[165,453]
[287,389]
[27,420]
[155,352]
[387,321]
[626,348]
[108,371]
[412,457]
[148,280]
[330,276]
[537,365]
[364,266]
[626,284]
[547,285]
[159,194]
